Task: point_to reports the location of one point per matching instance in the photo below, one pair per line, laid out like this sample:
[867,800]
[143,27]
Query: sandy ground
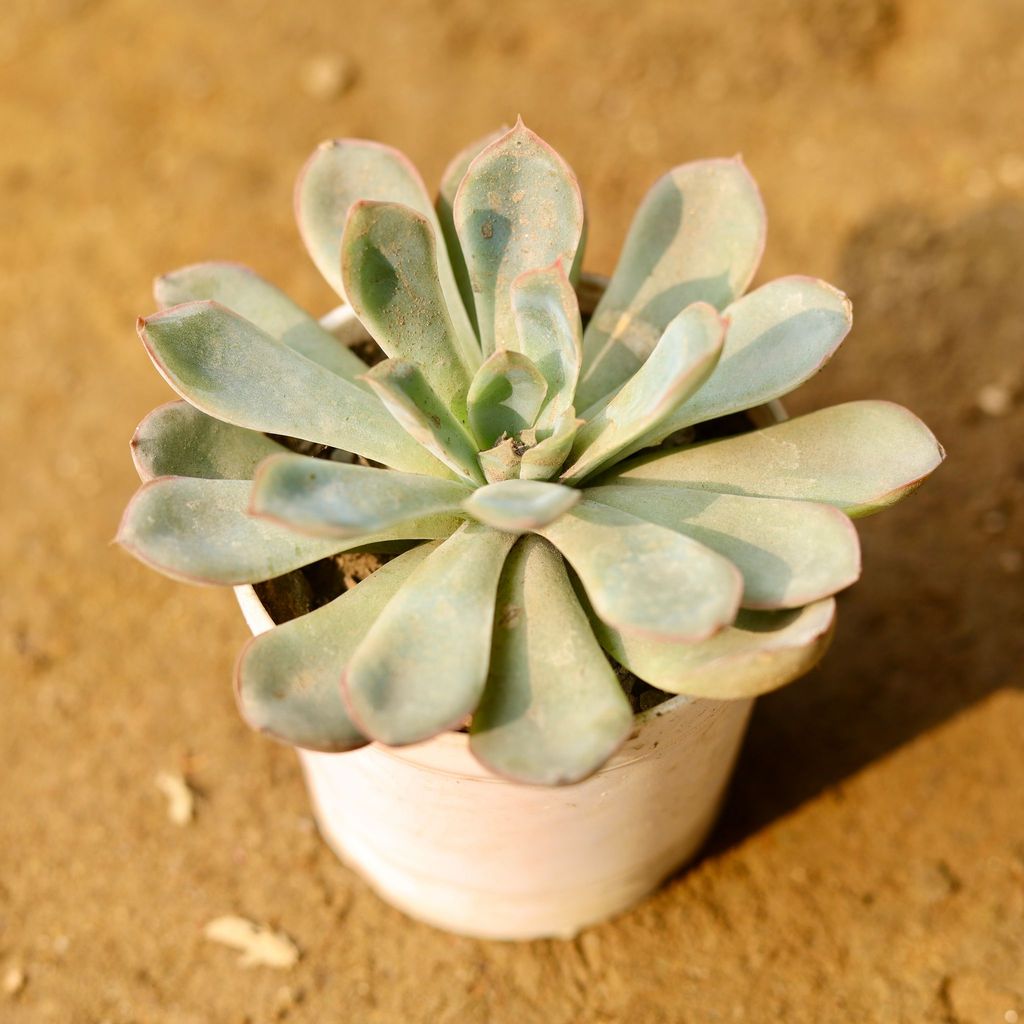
[870,863]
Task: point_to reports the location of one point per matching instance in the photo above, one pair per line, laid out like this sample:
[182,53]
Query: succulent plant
[549,510]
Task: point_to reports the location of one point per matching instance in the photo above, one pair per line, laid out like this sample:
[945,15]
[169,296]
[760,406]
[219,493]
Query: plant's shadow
[937,623]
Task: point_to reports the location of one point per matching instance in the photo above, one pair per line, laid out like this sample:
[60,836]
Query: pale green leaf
[200,531]
[405,393]
[859,456]
[553,711]
[549,333]
[247,294]
[697,236]
[789,552]
[646,579]
[389,266]
[177,440]
[759,653]
[343,171]
[422,666]
[520,505]
[505,396]
[779,336]
[451,178]
[546,458]
[333,499]
[678,366]
[288,680]
[227,367]
[502,461]
[518,208]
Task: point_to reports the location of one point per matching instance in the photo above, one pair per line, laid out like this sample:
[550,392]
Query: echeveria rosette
[512,460]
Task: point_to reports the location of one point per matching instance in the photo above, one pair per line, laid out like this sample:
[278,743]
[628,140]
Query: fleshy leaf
[332,499]
[789,552]
[177,440]
[859,456]
[518,208]
[227,367]
[501,462]
[422,665]
[505,396]
[451,178]
[247,294]
[288,679]
[678,366]
[553,711]
[760,652]
[546,458]
[697,236]
[646,579]
[520,505]
[405,393]
[343,171]
[200,531]
[779,336]
[389,266]
[549,333]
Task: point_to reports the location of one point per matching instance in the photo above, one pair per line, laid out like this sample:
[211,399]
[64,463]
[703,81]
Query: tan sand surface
[870,863]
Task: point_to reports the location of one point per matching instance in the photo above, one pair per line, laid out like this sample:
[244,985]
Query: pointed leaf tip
[515,184]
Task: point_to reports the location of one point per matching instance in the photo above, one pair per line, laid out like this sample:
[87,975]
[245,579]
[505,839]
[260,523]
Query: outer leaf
[258,301]
[697,236]
[860,457]
[450,181]
[287,679]
[678,366]
[229,368]
[199,531]
[422,665]
[553,711]
[779,336]
[549,333]
[646,579]
[505,396]
[177,440]
[520,505]
[339,173]
[789,552]
[405,393]
[546,458]
[518,208]
[389,266]
[760,652]
[332,499]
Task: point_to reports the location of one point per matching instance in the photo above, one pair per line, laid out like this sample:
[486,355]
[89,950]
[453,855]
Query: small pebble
[180,800]
[328,76]
[994,400]
[14,980]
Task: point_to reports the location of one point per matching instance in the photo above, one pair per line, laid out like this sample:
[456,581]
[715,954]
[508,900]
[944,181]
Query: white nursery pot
[448,842]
